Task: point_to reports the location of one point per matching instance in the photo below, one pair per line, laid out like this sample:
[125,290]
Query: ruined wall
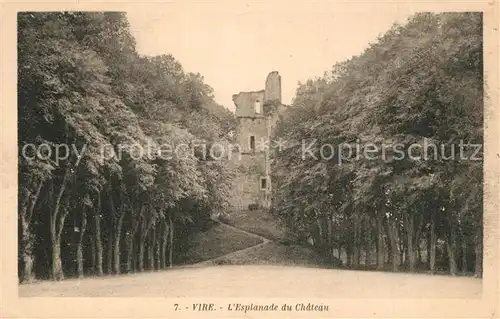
[273,87]
[250,167]
[245,103]
[251,127]
[246,186]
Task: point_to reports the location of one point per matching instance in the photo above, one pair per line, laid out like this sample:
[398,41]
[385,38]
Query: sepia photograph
[254,150]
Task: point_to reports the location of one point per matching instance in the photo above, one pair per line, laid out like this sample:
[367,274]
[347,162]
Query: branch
[33,203]
[60,193]
[61,222]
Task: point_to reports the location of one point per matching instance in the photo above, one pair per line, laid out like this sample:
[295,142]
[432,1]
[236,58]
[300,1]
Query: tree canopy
[420,83]
[89,104]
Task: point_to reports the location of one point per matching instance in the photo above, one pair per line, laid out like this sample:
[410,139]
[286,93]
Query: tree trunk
[135,255]
[94,254]
[329,239]
[56,226]
[451,248]
[27,238]
[130,252]
[158,247]
[420,257]
[164,245]
[393,238]
[348,253]
[478,251]
[428,248]
[118,235]
[368,246]
[141,253]
[321,238]
[131,248]
[151,249]
[388,254]
[464,254]
[27,242]
[355,252]
[432,246]
[79,249]
[402,250]
[380,242]
[109,254]
[57,272]
[130,239]
[118,217]
[410,236]
[145,226]
[171,242]
[98,239]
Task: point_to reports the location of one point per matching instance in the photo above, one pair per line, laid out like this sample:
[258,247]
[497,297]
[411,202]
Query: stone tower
[256,114]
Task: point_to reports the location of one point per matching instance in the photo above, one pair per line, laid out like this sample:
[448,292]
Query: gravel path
[262,281]
[235,255]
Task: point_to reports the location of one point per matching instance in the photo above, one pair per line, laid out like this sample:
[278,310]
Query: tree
[414,86]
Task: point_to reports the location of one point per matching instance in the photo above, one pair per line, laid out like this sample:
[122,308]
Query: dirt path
[238,254]
[267,252]
[261,281]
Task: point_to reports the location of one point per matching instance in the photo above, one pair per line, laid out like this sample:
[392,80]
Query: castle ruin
[256,114]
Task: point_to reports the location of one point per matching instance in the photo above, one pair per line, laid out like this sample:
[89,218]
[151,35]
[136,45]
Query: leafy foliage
[82,84]
[419,83]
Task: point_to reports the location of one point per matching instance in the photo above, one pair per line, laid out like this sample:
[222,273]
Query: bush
[253,206]
[224,218]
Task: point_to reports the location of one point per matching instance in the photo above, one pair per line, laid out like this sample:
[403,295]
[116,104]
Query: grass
[258,222]
[275,252]
[215,242]
[272,254]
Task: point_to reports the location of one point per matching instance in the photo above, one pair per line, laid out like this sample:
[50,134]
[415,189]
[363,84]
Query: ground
[218,241]
[257,222]
[246,258]
[262,282]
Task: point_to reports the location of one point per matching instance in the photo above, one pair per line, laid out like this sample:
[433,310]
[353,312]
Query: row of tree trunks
[403,248]
[408,248]
[156,242]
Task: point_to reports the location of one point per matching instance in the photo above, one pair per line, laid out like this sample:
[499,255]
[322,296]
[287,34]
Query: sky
[234,45]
